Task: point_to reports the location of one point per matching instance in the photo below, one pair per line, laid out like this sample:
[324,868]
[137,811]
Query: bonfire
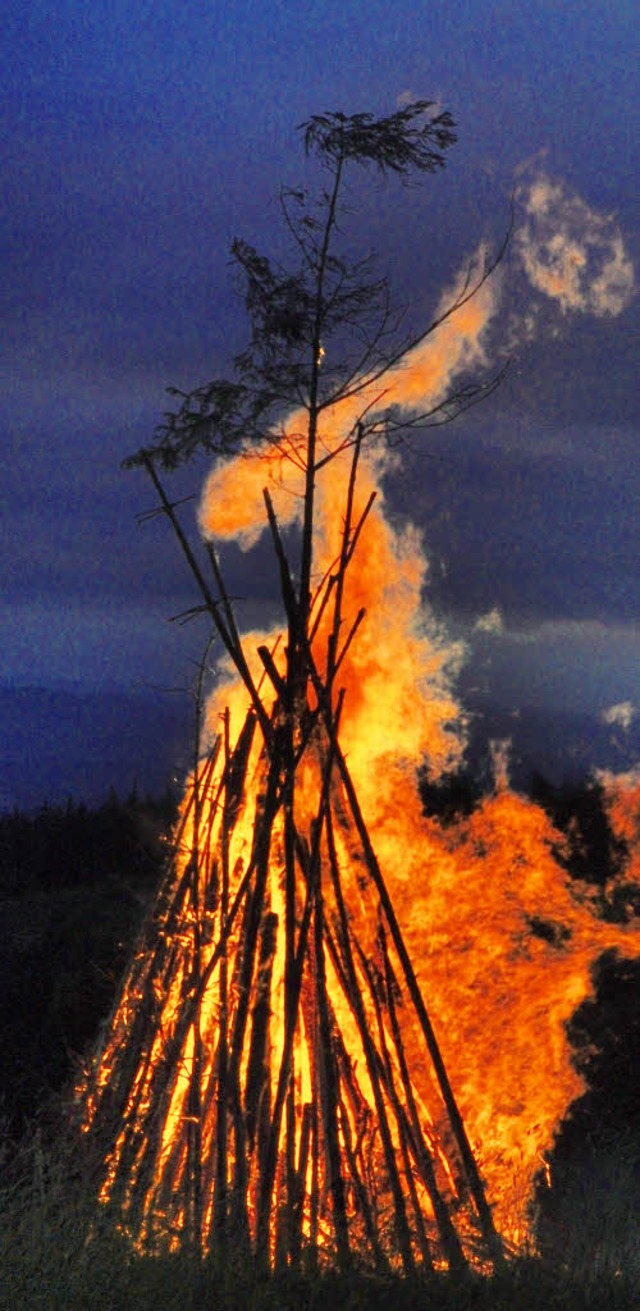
[341,1040]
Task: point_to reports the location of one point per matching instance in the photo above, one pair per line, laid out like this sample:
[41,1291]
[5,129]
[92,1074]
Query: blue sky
[139,140]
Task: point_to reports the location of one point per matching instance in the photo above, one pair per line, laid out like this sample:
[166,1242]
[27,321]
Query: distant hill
[67,742]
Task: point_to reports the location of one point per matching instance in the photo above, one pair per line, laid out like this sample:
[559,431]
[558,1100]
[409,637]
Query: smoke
[573,254]
[621,715]
[492,623]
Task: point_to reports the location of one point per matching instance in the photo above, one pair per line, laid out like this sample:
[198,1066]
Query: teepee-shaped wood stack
[253,1093]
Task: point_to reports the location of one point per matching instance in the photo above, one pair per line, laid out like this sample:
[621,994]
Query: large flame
[501,939]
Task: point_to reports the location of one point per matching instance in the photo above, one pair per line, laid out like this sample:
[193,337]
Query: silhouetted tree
[323,329]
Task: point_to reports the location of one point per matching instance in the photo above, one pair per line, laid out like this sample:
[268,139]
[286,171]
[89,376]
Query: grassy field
[48,1264]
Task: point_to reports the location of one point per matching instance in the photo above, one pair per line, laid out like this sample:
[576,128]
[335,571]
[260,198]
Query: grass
[47,1264]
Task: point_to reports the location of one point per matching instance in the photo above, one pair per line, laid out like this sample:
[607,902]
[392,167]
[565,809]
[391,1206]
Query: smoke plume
[571,253]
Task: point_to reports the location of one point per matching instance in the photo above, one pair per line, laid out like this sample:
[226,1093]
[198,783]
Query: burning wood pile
[256,1083]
